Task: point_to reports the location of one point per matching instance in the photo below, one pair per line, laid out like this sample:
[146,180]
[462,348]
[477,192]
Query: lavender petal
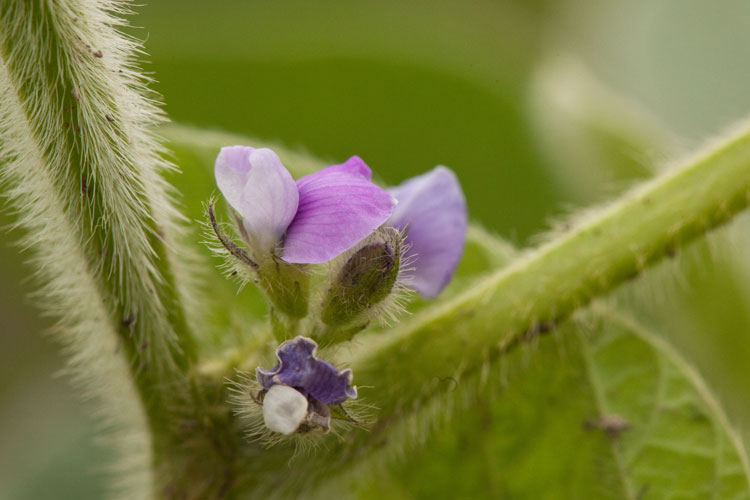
[338,207]
[432,209]
[268,198]
[231,169]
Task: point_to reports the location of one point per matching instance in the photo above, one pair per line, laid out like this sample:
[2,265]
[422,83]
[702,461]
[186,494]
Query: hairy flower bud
[366,279]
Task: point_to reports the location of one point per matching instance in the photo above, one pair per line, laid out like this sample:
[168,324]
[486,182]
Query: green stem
[546,285]
[71,79]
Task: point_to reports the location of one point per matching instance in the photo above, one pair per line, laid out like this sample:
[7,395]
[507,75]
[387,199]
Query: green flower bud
[365,281]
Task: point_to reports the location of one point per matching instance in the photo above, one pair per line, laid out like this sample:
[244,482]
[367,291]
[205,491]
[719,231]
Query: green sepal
[287,286]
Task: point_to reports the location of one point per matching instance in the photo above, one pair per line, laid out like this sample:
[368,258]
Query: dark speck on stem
[127,321]
[538,329]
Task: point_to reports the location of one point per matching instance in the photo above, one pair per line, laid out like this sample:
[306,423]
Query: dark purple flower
[432,209]
[299,368]
[322,214]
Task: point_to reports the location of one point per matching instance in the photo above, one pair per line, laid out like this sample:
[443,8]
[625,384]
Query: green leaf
[681,444]
[544,433]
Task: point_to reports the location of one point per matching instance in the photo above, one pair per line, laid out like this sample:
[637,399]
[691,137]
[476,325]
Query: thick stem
[79,109]
[591,257]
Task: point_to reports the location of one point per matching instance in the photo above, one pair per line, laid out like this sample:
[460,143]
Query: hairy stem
[75,128]
[589,258]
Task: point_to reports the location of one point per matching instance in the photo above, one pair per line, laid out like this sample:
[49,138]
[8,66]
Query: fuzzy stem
[79,107]
[546,285]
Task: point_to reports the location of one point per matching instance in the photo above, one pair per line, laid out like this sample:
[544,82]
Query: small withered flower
[299,390]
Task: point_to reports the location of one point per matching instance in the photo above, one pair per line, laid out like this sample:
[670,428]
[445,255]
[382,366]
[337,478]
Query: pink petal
[338,207]
[258,186]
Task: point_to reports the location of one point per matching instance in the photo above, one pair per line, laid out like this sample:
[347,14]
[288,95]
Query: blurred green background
[408,85]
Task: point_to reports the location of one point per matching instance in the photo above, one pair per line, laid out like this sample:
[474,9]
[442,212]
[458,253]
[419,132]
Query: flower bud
[365,280]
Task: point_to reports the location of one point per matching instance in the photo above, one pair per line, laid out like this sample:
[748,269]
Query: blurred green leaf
[604,411]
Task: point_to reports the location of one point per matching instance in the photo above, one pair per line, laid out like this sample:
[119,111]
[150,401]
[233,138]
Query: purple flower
[314,378]
[314,219]
[432,209]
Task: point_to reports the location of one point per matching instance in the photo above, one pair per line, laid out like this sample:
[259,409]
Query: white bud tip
[284,409]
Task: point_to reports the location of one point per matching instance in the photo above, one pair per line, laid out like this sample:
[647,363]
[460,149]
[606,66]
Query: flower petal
[258,186]
[284,409]
[268,201]
[354,165]
[338,207]
[231,169]
[432,208]
[299,368]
